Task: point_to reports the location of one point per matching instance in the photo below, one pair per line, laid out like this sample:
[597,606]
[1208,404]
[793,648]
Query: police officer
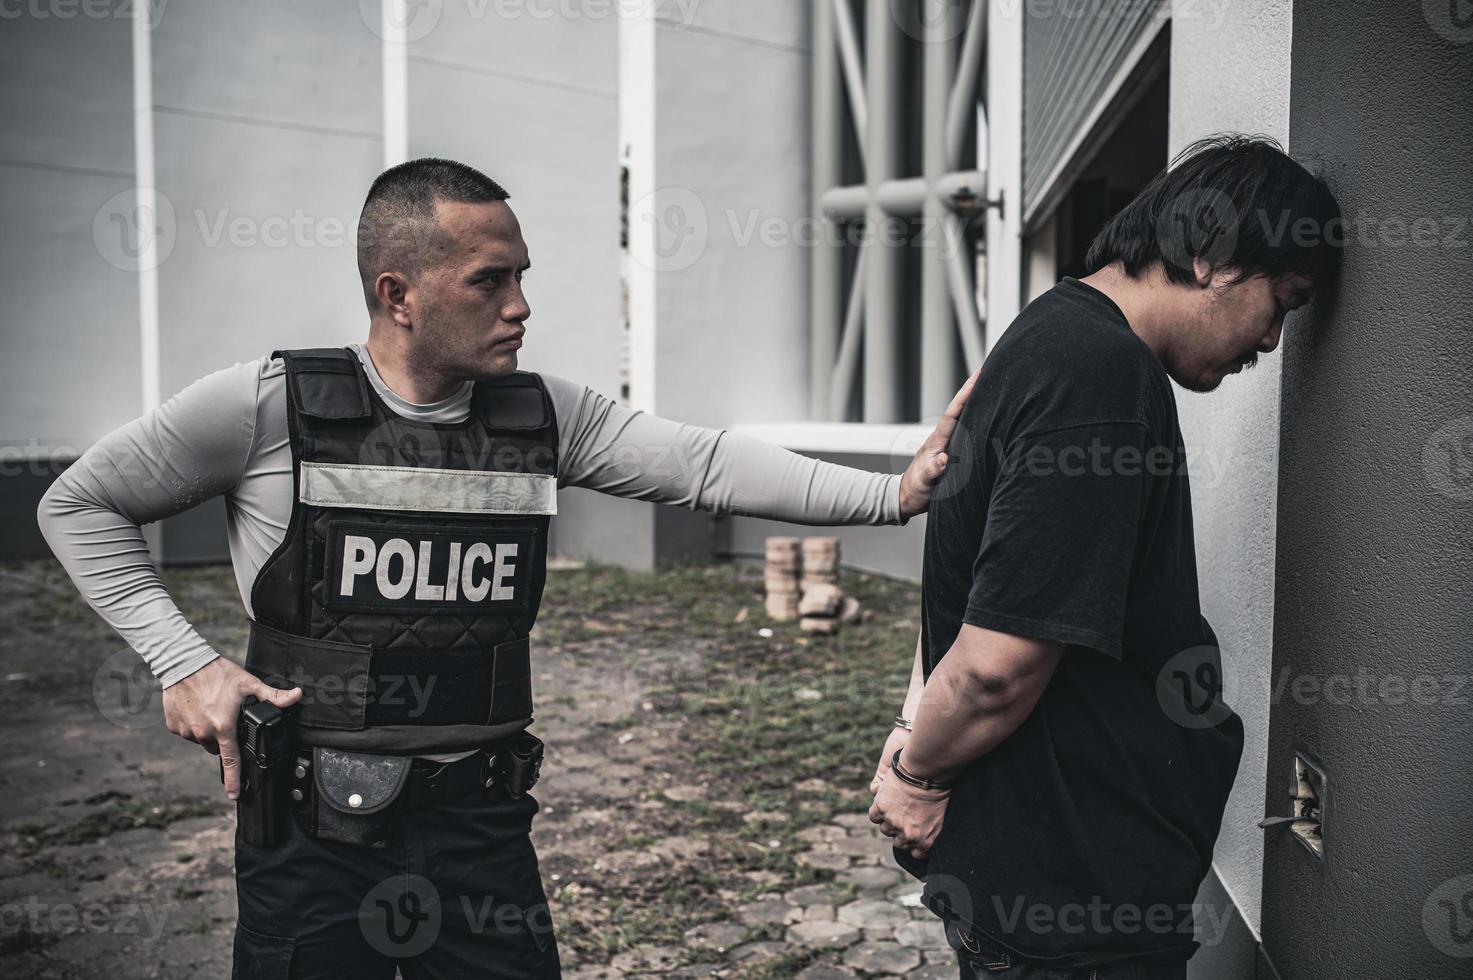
[388,510]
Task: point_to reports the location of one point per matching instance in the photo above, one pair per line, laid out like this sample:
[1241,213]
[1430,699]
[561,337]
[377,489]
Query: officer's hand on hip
[929,464]
[205,706]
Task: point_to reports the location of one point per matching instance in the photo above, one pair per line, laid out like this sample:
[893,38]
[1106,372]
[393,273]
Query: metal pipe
[882,350]
[962,100]
[842,27]
[938,338]
[826,264]
[844,203]
[846,365]
[959,259]
[905,198]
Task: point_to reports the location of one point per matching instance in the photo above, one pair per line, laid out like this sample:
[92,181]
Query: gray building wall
[1230,67]
[731,336]
[66,154]
[267,134]
[66,150]
[725,313]
[1375,557]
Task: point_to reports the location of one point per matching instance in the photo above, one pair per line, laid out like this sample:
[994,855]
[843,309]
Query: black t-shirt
[1066,515]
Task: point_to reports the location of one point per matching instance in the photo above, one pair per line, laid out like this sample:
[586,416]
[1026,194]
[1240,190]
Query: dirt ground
[699,760]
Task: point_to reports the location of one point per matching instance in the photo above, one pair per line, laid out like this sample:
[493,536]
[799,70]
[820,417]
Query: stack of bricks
[822,600]
[802,580]
[784,559]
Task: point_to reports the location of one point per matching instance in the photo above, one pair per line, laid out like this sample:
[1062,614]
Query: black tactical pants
[456,893]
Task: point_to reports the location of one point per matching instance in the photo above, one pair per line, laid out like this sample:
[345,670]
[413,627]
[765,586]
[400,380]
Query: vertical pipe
[149,225]
[1004,155]
[146,211]
[938,346]
[848,358]
[826,264]
[882,402]
[852,63]
[395,53]
[961,105]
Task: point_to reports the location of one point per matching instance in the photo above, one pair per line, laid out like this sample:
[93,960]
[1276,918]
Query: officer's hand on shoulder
[929,464]
[205,706]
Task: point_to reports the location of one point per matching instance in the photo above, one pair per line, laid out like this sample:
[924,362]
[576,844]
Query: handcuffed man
[1060,768]
[388,513]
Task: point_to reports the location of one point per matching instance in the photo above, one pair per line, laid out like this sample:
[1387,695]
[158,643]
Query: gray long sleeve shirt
[227,434]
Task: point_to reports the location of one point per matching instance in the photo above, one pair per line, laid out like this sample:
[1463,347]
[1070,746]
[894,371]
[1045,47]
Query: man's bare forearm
[979,693]
[917,685]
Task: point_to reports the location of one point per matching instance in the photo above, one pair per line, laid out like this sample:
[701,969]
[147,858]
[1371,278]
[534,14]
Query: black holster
[265,736]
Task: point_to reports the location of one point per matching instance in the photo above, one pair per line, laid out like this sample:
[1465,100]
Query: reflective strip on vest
[410,488]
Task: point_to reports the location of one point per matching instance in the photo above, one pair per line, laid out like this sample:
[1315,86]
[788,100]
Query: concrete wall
[66,153]
[731,146]
[1375,557]
[1230,72]
[717,268]
[264,148]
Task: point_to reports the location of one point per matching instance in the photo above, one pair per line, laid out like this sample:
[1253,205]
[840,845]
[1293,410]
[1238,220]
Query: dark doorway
[1132,155]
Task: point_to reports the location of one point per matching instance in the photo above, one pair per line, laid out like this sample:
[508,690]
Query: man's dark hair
[1238,202]
[398,221]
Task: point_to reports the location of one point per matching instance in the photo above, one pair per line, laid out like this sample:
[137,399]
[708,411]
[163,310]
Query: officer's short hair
[398,221]
[1238,202]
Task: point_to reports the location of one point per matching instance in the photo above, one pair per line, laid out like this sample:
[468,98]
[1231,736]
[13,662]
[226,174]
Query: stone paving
[866,922]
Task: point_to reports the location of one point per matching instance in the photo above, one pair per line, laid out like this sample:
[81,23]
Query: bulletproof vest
[403,595]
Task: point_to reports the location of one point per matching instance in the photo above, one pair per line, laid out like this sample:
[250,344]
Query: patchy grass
[787,726]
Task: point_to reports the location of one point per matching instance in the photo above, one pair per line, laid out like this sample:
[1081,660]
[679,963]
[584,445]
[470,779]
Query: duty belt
[355,798]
